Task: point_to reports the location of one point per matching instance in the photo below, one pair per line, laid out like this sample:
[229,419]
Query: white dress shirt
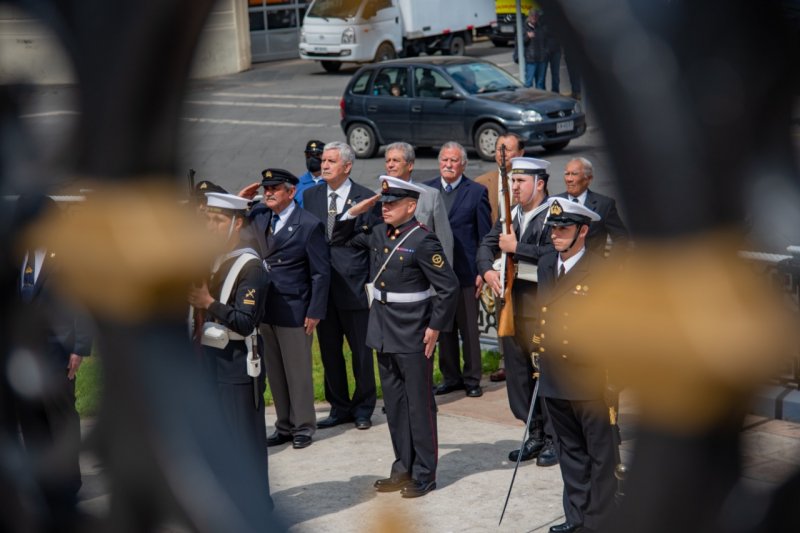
[284,216]
[581,198]
[453,185]
[341,195]
[569,263]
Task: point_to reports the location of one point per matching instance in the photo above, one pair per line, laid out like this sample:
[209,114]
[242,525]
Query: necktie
[562,271]
[576,200]
[275,219]
[28,280]
[331,214]
[448,188]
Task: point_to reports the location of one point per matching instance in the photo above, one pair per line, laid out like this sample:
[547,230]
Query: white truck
[362,31]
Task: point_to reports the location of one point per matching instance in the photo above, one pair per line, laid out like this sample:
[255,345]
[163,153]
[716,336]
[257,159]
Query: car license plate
[563,127]
[320,48]
[506,28]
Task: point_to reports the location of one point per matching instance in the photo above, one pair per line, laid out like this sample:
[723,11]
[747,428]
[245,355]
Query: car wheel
[331,66]
[362,140]
[385,52]
[554,147]
[486,139]
[456,47]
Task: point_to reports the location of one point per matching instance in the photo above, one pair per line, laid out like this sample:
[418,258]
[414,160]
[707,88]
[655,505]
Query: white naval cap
[529,166]
[394,189]
[563,212]
[226,203]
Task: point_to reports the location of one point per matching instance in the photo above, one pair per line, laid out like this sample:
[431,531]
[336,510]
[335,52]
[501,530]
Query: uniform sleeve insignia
[251,293]
[437,260]
[248,302]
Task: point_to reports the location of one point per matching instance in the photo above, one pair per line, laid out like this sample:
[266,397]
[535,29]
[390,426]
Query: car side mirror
[451,95]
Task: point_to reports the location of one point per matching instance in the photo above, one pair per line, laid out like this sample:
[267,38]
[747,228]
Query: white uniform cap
[395,189]
[222,203]
[563,212]
[529,166]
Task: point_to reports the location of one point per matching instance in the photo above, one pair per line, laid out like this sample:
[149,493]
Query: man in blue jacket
[469,213]
[292,243]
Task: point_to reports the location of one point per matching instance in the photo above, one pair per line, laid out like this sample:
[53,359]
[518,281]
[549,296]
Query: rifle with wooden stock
[505,322]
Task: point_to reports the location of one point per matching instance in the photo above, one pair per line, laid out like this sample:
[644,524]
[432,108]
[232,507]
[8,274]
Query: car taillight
[341,108]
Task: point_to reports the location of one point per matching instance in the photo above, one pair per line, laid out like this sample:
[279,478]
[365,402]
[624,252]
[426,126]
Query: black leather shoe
[566,527]
[530,450]
[276,439]
[415,489]
[548,456]
[363,423]
[475,392]
[392,483]
[447,388]
[301,441]
[331,421]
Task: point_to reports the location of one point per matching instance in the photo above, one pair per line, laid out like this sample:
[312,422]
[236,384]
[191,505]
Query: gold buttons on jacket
[543,322]
[565,342]
[541,350]
[386,250]
[563,356]
[383,284]
[544,309]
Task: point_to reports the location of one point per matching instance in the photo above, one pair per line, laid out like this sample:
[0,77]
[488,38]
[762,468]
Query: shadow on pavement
[300,504]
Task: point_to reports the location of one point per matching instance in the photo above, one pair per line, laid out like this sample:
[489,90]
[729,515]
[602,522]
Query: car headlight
[531,116]
[577,108]
[349,36]
[302,36]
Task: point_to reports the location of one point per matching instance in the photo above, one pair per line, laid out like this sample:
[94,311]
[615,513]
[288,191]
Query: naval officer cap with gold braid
[562,212]
[393,189]
[530,166]
[226,204]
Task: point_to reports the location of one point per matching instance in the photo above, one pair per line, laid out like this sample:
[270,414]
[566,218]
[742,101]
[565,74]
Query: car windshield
[341,9]
[482,78]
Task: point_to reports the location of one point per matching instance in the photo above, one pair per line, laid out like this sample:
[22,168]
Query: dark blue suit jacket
[349,266]
[470,219]
[298,263]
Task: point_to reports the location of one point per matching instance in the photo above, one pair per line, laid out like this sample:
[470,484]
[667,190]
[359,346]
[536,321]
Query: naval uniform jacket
[564,373]
[241,314]
[298,262]
[417,265]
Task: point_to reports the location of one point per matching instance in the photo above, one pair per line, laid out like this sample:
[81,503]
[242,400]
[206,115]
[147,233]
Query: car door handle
[372,108]
[416,108]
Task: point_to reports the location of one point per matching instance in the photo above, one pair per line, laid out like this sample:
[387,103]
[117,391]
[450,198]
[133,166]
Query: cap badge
[204,186]
[385,186]
[268,174]
[555,209]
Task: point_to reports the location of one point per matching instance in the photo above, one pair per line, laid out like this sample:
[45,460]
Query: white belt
[402,297]
[527,271]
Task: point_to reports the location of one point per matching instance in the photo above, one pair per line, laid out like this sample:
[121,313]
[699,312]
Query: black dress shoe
[301,441]
[530,450]
[276,439]
[548,456]
[331,421]
[566,527]
[392,483]
[447,388]
[415,489]
[363,423]
[475,392]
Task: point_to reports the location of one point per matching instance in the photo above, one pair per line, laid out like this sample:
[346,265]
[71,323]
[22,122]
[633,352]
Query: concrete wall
[30,52]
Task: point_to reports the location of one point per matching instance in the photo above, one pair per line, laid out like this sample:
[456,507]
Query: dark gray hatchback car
[429,101]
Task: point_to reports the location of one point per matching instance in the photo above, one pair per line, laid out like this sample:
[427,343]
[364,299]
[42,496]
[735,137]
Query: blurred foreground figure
[53,337]
[234,303]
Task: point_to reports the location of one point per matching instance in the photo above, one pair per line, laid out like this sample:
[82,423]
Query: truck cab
[360,31]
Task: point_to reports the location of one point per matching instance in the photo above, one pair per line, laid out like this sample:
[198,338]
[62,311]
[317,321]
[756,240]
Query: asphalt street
[235,126]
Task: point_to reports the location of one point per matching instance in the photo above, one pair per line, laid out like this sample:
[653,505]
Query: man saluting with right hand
[415,295]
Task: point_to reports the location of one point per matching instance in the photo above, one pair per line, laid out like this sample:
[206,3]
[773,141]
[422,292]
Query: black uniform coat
[610,223]
[419,264]
[564,374]
[349,266]
[299,266]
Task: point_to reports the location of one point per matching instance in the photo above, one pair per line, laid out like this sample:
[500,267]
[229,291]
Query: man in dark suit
[469,213]
[571,387]
[292,243]
[527,243]
[56,335]
[415,299]
[348,310]
[578,176]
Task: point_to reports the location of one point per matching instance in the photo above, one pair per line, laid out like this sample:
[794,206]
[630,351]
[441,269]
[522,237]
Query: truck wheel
[486,139]
[385,52]
[456,46]
[555,147]
[362,140]
[500,42]
[331,66]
